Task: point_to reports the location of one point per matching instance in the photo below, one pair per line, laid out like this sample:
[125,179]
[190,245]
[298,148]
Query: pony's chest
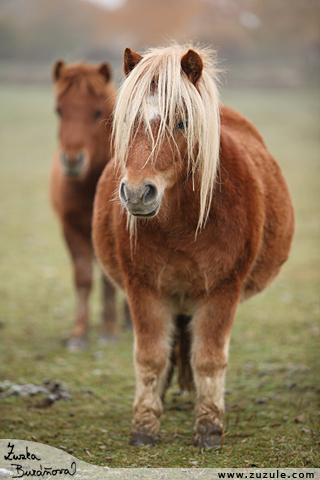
[182,280]
[182,271]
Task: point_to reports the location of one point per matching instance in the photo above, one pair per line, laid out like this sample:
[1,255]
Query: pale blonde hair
[177,97]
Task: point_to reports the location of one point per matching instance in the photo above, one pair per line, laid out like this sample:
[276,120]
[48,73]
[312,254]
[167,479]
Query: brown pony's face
[81,112]
[150,172]
[147,177]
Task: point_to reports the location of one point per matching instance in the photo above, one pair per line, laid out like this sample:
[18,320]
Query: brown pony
[85,99]
[205,221]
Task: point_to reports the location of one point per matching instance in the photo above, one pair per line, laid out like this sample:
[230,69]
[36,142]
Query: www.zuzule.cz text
[273,475]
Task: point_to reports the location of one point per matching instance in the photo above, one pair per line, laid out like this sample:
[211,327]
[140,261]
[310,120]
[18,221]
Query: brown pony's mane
[175,95]
[85,77]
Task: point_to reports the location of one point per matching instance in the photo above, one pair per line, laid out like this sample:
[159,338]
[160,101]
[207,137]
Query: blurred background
[261,43]
[270,51]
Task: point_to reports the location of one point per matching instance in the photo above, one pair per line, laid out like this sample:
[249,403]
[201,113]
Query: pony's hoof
[208,441]
[139,439]
[76,344]
[107,338]
[208,434]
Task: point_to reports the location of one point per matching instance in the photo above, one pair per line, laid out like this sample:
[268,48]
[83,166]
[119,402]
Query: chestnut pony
[85,98]
[204,221]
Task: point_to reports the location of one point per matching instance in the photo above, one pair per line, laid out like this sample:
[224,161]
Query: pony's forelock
[177,97]
[85,77]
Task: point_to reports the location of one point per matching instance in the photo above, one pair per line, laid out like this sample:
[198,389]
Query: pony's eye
[182,125]
[58,112]
[98,114]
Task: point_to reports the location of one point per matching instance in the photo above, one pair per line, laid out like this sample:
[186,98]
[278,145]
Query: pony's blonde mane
[85,77]
[177,98]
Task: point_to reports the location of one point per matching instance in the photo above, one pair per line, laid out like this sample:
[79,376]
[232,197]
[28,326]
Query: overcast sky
[109,4]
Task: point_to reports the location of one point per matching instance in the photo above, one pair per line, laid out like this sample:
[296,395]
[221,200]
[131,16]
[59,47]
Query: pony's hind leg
[183,353]
[211,327]
[82,255]
[152,325]
[180,356]
[109,331]
[127,316]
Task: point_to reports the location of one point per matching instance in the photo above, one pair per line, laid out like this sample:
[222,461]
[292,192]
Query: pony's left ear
[192,65]
[131,59]
[57,69]
[105,70]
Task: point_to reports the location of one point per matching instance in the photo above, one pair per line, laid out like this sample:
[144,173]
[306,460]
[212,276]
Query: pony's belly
[182,305]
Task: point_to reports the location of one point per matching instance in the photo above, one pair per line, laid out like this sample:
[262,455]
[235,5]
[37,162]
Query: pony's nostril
[137,195]
[64,158]
[150,194]
[80,158]
[73,160]
[122,192]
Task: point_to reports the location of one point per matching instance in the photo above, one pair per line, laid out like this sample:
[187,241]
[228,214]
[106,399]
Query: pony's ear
[131,59]
[192,65]
[57,69]
[105,70]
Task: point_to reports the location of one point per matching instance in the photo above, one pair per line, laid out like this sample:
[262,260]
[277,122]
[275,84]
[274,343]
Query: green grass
[274,351]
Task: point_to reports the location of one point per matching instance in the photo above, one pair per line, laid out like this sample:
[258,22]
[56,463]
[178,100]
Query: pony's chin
[145,215]
[73,173]
[76,173]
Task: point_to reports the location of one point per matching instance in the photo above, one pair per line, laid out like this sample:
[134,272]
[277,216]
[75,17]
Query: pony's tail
[182,354]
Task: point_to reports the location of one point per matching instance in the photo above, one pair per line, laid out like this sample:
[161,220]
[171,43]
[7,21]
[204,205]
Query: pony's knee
[205,365]
[83,276]
[154,361]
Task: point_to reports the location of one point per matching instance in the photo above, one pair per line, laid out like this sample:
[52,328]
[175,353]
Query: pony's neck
[181,207]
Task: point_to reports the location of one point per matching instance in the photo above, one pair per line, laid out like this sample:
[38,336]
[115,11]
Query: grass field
[273,383]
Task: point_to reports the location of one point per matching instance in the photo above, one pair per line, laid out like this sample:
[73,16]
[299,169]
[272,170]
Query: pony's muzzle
[72,164]
[141,200]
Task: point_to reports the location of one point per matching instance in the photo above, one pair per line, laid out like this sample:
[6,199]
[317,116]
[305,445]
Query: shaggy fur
[173,275]
[85,100]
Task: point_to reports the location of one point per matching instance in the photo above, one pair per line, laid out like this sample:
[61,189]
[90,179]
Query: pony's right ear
[57,69]
[192,66]
[105,70]
[131,59]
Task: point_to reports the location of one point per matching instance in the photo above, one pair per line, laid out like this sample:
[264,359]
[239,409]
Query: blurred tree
[275,36]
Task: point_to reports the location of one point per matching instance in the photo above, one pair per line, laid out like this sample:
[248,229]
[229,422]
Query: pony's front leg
[80,247]
[211,328]
[109,314]
[152,325]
